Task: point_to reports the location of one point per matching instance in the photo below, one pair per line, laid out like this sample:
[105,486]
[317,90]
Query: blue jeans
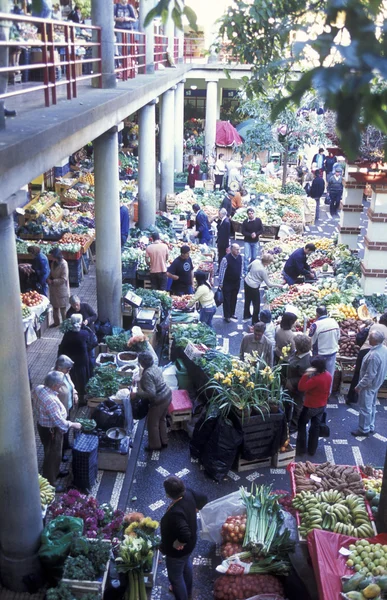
[180,576]
[251,253]
[317,215]
[206,315]
[289,280]
[330,364]
[367,409]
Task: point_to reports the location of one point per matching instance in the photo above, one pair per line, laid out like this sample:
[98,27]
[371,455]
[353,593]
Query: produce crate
[72,255]
[180,408]
[81,588]
[60,188]
[147,284]
[271,231]
[239,236]
[30,236]
[248,465]
[94,402]
[40,210]
[75,271]
[346,371]
[263,436]
[282,459]
[129,270]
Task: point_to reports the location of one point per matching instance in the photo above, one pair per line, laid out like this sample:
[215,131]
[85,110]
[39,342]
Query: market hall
[96,275]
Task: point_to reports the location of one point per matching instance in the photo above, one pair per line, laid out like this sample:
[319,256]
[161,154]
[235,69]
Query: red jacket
[316,388]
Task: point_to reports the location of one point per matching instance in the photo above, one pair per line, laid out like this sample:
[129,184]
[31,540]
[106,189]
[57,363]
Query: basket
[237,227]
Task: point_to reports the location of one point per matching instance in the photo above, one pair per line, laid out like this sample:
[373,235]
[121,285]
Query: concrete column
[107,224]
[179,126]
[167,149]
[219,102]
[147,166]
[20,510]
[145,7]
[373,265]
[102,16]
[211,108]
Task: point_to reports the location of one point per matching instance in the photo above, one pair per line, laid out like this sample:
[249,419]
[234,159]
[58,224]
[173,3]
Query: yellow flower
[250,385]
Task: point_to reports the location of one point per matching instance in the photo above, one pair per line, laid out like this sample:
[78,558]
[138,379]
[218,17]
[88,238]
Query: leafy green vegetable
[198,333]
[79,567]
[150,298]
[97,552]
[106,383]
[117,343]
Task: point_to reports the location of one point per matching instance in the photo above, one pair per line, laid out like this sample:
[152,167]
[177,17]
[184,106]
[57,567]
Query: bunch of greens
[79,567]
[150,298]
[214,361]
[117,343]
[197,333]
[378,301]
[96,551]
[64,592]
[348,265]
[66,326]
[106,383]
[292,187]
[87,424]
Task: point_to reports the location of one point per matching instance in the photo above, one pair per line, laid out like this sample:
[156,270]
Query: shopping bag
[218,297]
[324,430]
[140,408]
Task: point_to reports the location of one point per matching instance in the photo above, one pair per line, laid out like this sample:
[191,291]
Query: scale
[146,318]
[132,299]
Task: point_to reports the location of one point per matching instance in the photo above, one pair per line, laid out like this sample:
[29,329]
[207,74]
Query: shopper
[256,274]
[224,231]
[152,387]
[316,384]
[325,334]
[75,344]
[227,203]
[372,374]
[181,271]
[328,166]
[124,15]
[316,191]
[51,424]
[364,349]
[58,282]
[265,317]
[124,223]
[251,229]
[193,171]
[297,265]
[257,342]
[298,363]
[284,336]
[335,190]
[219,171]
[318,160]
[75,15]
[202,225]
[230,273]
[205,296]
[178,528]
[82,308]
[67,394]
[41,267]
[156,257]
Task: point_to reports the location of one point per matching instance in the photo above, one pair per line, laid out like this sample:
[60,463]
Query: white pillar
[107,223]
[167,148]
[102,16]
[145,7]
[179,126]
[147,166]
[20,508]
[179,33]
[219,102]
[210,125]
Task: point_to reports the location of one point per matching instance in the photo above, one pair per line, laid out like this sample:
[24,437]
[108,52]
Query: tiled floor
[146,491]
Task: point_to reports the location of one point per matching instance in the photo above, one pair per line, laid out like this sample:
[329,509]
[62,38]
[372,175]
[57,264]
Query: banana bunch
[47,491]
[331,511]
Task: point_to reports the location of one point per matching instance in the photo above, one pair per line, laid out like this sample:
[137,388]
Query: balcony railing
[130,54]
[53,56]
[161,51]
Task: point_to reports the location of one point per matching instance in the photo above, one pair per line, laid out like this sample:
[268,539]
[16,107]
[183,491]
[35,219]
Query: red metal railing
[161,50]
[176,50]
[60,59]
[130,53]
[193,49]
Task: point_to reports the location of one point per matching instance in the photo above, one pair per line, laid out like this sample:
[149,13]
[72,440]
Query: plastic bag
[215,513]
[221,449]
[140,408]
[56,539]
[328,564]
[102,328]
[201,434]
[108,414]
[218,297]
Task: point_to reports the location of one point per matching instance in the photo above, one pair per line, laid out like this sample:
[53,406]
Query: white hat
[136,331]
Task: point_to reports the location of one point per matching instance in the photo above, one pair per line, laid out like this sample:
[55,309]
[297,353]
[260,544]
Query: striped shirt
[49,410]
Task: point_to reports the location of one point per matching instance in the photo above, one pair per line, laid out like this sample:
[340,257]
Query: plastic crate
[75,272]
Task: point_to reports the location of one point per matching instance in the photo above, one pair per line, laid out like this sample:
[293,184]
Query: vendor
[205,296]
[88,313]
[297,265]
[41,267]
[138,342]
[257,342]
[152,387]
[181,271]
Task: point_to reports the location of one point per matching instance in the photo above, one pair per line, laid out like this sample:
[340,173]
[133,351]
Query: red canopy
[227,135]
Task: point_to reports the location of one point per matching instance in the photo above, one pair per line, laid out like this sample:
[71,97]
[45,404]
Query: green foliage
[343,57]
[292,187]
[179,11]
[197,333]
[79,567]
[106,383]
[97,552]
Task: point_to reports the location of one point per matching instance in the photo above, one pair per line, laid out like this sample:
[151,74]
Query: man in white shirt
[325,334]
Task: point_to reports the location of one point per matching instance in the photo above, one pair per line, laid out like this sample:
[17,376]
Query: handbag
[108,414]
[140,408]
[327,200]
[218,297]
[324,431]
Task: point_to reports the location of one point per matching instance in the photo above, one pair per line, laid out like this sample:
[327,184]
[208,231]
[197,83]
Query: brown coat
[59,288]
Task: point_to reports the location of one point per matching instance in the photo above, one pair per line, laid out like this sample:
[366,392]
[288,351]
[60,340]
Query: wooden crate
[147,284]
[60,188]
[282,459]
[248,465]
[239,236]
[94,402]
[80,588]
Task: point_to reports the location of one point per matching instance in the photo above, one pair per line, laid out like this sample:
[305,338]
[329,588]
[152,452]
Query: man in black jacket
[316,191]
[230,272]
[224,230]
[252,228]
[179,534]
[88,313]
[335,190]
